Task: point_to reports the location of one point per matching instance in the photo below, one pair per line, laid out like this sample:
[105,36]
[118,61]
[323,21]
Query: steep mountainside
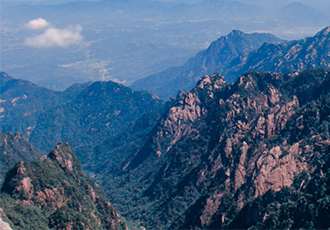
[99,111]
[108,155]
[298,55]
[222,145]
[53,193]
[214,59]
[13,148]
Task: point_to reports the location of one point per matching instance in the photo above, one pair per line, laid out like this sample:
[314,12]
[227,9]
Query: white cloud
[53,37]
[37,24]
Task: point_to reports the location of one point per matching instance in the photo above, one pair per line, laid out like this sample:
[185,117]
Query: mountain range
[237,53]
[248,152]
[214,59]
[293,56]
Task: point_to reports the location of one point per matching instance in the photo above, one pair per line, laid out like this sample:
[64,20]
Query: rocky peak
[212,82]
[21,169]
[324,32]
[235,33]
[63,155]
[188,108]
[56,194]
[178,120]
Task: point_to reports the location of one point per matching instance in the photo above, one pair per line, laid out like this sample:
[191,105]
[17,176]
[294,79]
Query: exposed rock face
[57,194]
[222,145]
[26,185]
[62,156]
[277,171]
[177,123]
[4,225]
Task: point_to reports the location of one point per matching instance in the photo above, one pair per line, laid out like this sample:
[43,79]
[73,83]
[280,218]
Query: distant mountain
[298,14]
[238,53]
[20,98]
[214,9]
[21,101]
[214,59]
[53,193]
[234,155]
[13,148]
[293,56]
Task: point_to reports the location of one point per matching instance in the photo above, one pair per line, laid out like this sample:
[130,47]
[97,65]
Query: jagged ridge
[311,52]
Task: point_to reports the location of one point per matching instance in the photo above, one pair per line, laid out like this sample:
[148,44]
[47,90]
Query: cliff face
[222,145]
[3,225]
[305,204]
[56,194]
